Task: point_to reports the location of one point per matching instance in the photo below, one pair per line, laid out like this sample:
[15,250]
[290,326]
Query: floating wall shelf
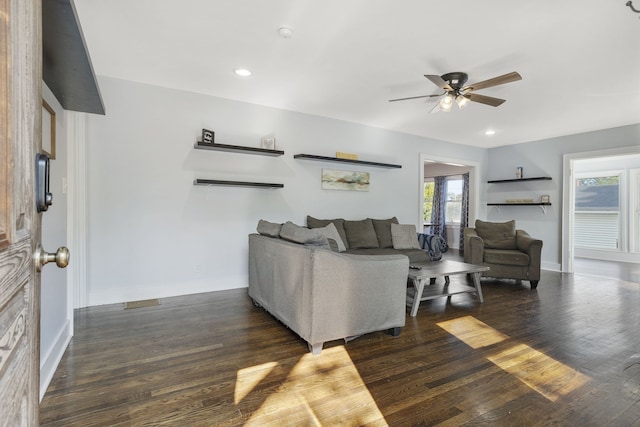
[338,160]
[208,182]
[238,149]
[537,178]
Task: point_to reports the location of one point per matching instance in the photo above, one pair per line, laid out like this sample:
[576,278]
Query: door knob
[61,257]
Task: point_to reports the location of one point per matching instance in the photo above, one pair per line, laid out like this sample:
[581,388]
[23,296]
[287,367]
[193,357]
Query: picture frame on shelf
[268,143]
[208,136]
[48,130]
[545,198]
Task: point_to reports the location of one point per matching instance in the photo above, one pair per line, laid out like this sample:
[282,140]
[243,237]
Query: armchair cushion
[506,257]
[497,235]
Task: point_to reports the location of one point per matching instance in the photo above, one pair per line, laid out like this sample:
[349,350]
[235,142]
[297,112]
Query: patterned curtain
[438,208]
[464,211]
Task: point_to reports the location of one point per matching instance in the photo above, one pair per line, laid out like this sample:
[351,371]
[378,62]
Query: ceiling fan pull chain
[632,8]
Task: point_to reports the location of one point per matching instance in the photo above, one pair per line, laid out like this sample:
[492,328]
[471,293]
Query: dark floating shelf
[338,160]
[537,178]
[238,149]
[236,183]
[518,204]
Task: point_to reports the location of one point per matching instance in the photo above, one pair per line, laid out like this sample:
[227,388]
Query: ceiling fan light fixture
[462,101]
[446,102]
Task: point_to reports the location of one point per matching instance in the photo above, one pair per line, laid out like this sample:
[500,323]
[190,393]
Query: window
[453,204]
[597,212]
[428,200]
[453,201]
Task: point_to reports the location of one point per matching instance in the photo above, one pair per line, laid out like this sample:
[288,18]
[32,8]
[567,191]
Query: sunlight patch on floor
[545,375]
[319,390]
[248,378]
[471,331]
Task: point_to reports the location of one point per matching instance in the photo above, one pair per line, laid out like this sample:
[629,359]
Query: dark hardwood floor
[567,353]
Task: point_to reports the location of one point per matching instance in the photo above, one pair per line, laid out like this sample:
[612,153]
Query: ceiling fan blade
[416,97]
[438,81]
[483,99]
[500,80]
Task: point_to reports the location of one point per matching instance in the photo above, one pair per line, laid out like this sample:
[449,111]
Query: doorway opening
[451,171]
[601,210]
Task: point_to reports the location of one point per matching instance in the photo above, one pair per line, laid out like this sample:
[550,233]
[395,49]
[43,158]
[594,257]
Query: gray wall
[172,237]
[545,158]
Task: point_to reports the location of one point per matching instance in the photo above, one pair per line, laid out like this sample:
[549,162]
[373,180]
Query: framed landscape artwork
[345,180]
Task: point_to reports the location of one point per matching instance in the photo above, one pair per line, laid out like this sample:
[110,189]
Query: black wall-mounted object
[44,198]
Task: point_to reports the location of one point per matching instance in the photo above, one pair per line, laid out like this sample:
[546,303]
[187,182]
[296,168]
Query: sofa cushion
[497,235]
[338,222]
[331,233]
[270,229]
[304,235]
[506,257]
[383,231]
[404,236]
[414,255]
[361,234]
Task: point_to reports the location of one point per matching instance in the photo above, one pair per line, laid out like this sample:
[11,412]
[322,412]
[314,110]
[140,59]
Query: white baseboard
[553,266]
[115,295]
[49,362]
[608,255]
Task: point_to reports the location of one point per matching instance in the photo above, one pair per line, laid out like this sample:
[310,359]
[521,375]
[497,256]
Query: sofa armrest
[356,294]
[528,244]
[533,247]
[473,246]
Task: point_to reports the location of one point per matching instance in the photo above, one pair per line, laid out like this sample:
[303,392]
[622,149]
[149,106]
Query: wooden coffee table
[435,269]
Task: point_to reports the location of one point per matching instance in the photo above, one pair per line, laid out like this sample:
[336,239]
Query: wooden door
[20,135]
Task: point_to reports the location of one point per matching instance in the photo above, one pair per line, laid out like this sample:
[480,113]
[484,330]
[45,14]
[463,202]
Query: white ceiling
[580,60]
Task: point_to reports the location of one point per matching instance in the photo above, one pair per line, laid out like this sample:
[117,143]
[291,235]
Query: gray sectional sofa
[330,280]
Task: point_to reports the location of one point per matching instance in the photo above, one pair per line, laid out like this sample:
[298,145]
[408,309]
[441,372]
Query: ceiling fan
[455,90]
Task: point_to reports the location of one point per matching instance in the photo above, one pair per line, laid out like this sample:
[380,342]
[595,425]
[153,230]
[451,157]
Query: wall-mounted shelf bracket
[542,206]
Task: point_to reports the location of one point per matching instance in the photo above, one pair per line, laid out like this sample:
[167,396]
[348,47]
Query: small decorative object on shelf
[545,198]
[207,136]
[519,201]
[268,142]
[350,156]
[519,172]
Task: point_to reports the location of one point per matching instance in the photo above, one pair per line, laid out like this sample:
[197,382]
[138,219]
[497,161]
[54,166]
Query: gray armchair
[510,253]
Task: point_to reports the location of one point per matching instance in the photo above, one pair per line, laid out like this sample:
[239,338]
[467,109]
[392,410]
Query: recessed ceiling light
[242,72]
[285,32]
[489,132]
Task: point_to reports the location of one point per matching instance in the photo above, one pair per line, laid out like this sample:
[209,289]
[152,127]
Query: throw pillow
[383,231]
[404,236]
[497,235]
[338,222]
[295,233]
[361,234]
[270,229]
[331,233]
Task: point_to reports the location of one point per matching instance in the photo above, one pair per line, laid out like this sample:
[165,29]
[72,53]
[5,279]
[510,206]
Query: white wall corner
[77,196]
[50,360]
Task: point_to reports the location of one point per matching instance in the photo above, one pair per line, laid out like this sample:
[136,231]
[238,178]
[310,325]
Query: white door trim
[569,196]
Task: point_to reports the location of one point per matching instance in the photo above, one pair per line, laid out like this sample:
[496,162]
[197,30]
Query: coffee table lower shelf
[422,291]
